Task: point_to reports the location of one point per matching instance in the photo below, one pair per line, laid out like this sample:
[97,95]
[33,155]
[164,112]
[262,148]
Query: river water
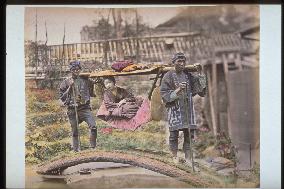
[103,175]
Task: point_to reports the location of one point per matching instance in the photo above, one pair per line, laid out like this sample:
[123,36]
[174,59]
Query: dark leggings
[173,140]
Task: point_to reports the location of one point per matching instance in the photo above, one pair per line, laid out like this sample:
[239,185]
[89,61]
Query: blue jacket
[180,109]
[83,89]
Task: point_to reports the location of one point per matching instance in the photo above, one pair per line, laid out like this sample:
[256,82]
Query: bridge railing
[147,49]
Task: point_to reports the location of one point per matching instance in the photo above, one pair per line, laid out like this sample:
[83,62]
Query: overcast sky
[75,18]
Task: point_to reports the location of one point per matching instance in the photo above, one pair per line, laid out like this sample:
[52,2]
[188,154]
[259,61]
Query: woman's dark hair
[110,78]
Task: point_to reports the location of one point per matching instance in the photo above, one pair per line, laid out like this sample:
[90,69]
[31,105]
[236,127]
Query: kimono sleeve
[167,89]
[64,95]
[128,96]
[111,106]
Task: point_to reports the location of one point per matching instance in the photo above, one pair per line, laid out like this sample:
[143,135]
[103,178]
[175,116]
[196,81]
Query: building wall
[244,124]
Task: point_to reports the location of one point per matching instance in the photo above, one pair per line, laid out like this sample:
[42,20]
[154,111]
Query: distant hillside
[212,19]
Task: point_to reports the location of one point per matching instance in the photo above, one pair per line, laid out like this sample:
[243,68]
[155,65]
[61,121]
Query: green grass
[48,136]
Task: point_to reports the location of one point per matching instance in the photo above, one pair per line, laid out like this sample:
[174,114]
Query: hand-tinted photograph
[142,97]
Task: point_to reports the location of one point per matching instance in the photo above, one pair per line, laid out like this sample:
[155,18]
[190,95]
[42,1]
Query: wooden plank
[66,53]
[162,45]
[205,47]
[123,47]
[111,50]
[146,49]
[199,40]
[238,61]
[215,92]
[52,54]
[88,49]
[176,46]
[232,40]
[183,41]
[94,50]
[159,49]
[115,49]
[128,48]
[49,53]
[91,49]
[108,58]
[69,52]
[221,41]
[200,47]
[195,39]
[192,49]
[215,41]
[102,50]
[58,52]
[182,44]
[212,108]
[76,51]
[156,45]
[179,46]
[197,47]
[209,48]
[83,49]
[237,40]
[187,45]
[149,47]
[163,50]
[132,47]
[98,49]
[223,117]
[225,67]
[141,48]
[154,48]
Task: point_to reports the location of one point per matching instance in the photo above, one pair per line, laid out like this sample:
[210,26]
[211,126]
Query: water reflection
[33,180]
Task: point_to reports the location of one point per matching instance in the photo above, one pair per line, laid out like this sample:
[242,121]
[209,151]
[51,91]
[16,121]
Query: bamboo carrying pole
[153,70]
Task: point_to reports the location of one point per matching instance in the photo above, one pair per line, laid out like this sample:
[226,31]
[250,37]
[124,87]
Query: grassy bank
[48,135]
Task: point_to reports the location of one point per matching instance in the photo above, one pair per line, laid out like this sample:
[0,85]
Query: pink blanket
[142,116]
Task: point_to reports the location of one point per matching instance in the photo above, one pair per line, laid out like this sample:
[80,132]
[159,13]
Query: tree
[117,20]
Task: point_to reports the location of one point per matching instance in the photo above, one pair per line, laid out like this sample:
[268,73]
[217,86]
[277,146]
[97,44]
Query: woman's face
[109,84]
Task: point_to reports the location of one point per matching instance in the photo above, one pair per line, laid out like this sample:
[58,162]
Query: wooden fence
[151,49]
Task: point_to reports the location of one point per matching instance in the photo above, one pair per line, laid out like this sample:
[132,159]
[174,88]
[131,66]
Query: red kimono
[130,115]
